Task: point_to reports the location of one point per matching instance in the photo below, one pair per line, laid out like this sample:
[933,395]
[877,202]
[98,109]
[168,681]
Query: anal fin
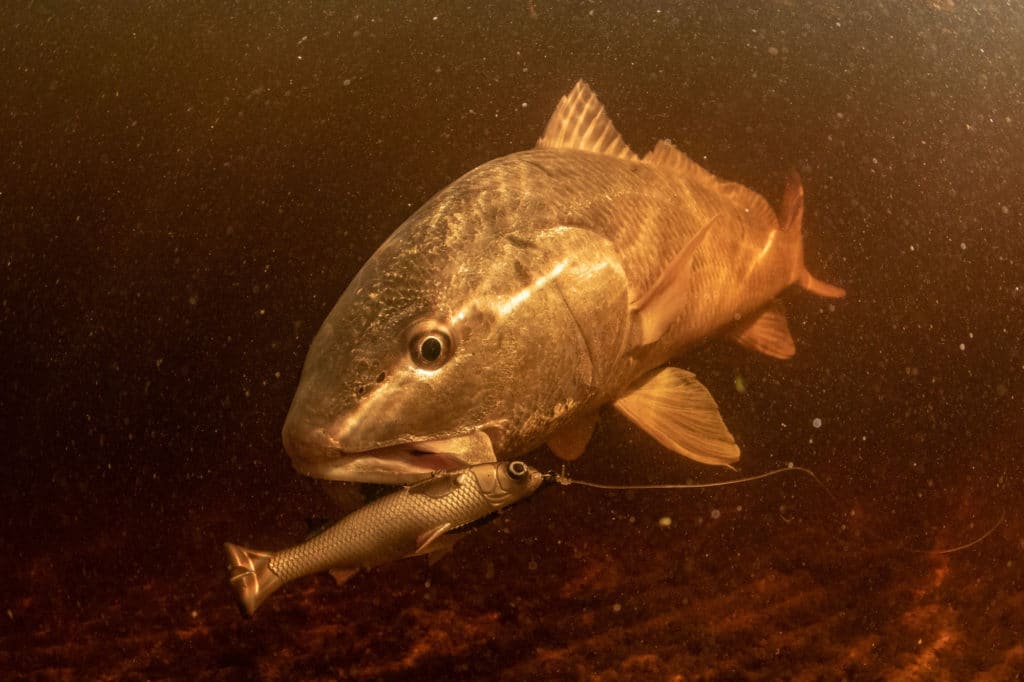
[767,332]
[440,548]
[571,440]
[425,543]
[673,407]
[435,543]
[342,575]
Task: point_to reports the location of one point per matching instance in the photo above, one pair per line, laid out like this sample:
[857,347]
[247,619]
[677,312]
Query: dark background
[185,191]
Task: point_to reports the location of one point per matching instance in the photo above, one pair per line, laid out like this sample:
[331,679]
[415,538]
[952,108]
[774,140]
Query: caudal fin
[251,576]
[816,286]
[791,218]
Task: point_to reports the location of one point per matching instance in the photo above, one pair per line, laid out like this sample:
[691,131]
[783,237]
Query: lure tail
[251,576]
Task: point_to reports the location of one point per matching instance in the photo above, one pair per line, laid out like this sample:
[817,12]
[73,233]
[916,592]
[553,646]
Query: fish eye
[517,470]
[430,347]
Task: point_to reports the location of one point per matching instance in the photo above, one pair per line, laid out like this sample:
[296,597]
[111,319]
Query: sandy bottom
[744,583]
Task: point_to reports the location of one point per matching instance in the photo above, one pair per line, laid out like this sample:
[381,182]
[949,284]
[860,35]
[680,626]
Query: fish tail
[251,576]
[791,218]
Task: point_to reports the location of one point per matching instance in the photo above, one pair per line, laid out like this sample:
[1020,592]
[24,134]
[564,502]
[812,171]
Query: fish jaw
[318,455]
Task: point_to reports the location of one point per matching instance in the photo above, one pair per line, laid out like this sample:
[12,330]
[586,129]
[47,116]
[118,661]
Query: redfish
[533,291]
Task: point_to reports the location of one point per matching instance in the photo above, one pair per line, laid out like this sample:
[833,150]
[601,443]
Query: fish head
[503,483]
[441,354]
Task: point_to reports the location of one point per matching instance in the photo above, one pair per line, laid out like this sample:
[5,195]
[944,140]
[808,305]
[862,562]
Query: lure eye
[430,347]
[517,470]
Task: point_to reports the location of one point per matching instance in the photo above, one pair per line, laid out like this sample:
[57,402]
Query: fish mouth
[400,463]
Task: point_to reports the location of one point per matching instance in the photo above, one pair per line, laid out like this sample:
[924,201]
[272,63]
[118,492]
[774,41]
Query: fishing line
[563,479]
[1002,517]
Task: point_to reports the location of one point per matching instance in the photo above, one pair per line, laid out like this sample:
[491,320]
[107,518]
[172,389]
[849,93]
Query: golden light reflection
[503,306]
[506,308]
[765,250]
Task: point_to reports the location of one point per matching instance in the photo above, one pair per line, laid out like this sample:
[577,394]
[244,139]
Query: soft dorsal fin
[668,157]
[580,122]
[755,206]
[677,411]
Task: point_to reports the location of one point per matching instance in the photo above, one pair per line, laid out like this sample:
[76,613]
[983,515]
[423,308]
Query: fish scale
[382,531]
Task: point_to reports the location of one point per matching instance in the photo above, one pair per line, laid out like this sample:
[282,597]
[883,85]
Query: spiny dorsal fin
[580,122]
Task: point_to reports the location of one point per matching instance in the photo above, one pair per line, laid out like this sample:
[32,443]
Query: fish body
[537,288]
[409,522]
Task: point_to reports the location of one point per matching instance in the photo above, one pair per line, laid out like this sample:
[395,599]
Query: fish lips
[396,463]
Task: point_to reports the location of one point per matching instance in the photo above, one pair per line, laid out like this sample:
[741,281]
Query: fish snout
[323,449]
[306,442]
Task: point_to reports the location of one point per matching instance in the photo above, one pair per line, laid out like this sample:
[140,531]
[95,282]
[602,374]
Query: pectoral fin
[677,411]
[767,332]
[571,440]
[658,307]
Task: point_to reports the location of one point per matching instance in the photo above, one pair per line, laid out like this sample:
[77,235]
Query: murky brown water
[185,192]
